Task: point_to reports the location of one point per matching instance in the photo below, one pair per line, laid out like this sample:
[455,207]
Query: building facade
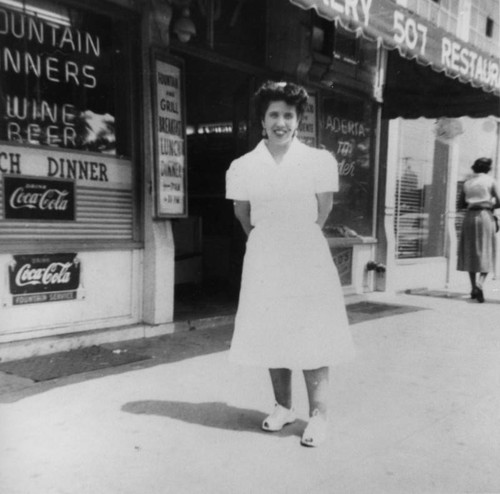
[120,119]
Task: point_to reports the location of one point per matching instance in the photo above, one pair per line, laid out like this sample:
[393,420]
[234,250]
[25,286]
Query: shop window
[346,131]
[322,35]
[235,29]
[489,27]
[346,46]
[421,184]
[66,89]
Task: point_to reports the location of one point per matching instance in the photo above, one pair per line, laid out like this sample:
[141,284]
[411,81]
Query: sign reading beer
[44,278]
[170,147]
[36,199]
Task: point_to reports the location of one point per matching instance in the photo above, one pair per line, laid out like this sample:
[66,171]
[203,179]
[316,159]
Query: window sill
[350,241]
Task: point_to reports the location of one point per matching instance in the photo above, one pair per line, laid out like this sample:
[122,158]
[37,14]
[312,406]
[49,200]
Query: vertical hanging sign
[307,126]
[170,136]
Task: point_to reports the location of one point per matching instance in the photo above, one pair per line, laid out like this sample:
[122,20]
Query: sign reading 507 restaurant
[415,38]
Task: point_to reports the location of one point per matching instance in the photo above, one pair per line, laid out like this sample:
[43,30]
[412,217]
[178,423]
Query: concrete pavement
[418,411]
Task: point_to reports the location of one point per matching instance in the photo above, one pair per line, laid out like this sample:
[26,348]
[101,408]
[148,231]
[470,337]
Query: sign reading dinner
[55,88]
[170,139]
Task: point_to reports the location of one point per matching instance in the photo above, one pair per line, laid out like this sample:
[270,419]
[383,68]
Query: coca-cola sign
[38,199]
[44,278]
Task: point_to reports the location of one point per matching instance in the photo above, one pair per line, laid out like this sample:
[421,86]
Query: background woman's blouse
[283,193]
[478,190]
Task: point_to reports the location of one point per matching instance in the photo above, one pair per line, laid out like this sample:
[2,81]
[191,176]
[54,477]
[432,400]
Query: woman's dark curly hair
[292,94]
[482,165]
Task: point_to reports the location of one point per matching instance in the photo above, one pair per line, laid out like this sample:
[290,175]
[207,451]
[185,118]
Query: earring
[264,133]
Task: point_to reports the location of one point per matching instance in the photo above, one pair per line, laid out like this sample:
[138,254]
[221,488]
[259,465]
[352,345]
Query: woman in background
[291,312]
[476,251]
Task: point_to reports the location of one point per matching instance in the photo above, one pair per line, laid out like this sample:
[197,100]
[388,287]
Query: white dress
[291,311]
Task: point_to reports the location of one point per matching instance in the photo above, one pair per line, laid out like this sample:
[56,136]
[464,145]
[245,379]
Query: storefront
[341,117]
[70,216]
[439,100]
[122,117]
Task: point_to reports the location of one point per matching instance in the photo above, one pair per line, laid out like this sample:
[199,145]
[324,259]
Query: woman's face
[280,122]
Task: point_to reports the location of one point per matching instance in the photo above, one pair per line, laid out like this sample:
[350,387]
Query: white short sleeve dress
[291,312]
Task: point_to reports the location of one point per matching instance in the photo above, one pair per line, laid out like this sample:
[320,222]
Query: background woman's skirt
[476,249]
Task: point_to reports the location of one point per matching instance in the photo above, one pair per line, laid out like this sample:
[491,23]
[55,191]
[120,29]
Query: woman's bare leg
[481,280]
[282,386]
[472,277]
[317,390]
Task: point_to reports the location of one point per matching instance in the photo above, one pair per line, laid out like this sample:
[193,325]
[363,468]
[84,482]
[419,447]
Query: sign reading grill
[30,198]
[44,278]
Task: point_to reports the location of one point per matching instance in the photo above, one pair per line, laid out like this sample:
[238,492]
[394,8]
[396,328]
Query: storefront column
[392,130]
[496,171]
[451,214]
[159,251]
[159,273]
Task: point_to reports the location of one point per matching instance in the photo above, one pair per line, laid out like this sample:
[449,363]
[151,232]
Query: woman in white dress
[291,312]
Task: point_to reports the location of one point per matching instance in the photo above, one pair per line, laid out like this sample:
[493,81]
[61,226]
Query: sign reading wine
[37,199]
[40,278]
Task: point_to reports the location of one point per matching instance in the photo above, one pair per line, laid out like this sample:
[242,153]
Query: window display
[63,78]
[346,131]
[66,140]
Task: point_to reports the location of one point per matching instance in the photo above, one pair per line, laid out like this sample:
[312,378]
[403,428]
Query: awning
[412,90]
[414,37]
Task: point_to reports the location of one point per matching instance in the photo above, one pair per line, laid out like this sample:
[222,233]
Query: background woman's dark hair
[292,94]
[482,165]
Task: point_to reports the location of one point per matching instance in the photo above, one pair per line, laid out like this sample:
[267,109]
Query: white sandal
[280,417]
[316,431]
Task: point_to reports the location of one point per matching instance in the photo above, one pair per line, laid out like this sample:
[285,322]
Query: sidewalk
[418,411]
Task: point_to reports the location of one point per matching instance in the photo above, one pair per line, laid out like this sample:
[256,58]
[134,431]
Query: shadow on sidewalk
[210,414]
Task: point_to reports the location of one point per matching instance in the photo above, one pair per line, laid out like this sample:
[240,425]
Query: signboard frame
[167,203]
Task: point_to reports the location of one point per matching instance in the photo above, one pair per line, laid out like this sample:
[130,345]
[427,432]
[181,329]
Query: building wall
[123,255]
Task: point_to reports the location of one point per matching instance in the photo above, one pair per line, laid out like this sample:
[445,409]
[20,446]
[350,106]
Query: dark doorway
[210,243]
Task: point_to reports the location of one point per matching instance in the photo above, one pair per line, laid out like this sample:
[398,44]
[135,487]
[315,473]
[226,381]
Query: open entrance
[210,243]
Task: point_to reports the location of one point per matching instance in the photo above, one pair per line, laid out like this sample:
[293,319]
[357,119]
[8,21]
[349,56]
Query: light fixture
[184,26]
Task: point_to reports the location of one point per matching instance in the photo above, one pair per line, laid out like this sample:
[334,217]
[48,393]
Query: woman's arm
[325,203]
[496,195]
[242,213]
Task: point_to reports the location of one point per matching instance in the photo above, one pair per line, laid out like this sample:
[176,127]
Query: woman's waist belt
[478,207]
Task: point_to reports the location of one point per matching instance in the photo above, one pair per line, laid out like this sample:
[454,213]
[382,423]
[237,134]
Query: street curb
[46,345]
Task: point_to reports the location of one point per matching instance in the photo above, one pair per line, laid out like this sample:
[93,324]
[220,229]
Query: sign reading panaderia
[170,147]
[35,199]
[44,278]
[413,36]
[55,78]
